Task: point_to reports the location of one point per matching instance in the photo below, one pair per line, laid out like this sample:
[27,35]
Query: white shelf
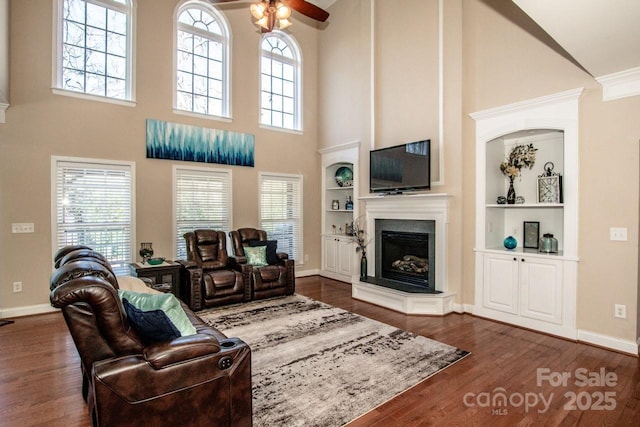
[524,251]
[526,206]
[339,188]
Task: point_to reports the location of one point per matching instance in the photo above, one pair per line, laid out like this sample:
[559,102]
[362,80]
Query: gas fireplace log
[415,259]
[412,264]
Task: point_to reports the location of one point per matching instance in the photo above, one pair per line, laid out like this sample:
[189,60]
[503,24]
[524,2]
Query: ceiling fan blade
[307,9]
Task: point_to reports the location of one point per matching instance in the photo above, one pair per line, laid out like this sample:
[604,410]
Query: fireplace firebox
[405,255]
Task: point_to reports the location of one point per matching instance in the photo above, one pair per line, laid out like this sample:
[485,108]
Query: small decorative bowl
[155,261]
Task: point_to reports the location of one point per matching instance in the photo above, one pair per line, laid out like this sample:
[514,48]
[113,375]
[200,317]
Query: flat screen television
[400,168]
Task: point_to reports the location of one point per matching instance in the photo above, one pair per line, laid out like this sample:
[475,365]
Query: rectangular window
[93,205]
[94,48]
[202,199]
[281,211]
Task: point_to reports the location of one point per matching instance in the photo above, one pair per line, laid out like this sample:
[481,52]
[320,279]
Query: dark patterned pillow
[151,326]
[272,246]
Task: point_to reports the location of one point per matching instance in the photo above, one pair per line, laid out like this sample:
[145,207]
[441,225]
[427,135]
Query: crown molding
[622,84]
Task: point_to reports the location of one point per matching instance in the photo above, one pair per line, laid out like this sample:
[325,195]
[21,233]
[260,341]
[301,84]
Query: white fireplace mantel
[418,206]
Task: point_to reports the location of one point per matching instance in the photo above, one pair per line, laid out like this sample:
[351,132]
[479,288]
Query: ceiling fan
[270,14]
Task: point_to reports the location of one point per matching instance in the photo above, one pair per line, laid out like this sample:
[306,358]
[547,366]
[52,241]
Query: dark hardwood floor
[40,376]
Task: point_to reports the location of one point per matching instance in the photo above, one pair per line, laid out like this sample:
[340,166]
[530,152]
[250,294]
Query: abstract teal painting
[174,141]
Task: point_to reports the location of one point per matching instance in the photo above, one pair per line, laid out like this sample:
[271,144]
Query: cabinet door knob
[515,259]
[522,259]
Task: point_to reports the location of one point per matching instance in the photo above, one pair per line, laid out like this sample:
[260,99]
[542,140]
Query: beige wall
[40,124]
[488,62]
[395,100]
[505,64]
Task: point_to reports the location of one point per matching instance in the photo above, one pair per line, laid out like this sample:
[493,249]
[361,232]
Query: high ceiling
[600,36]
[322,3]
[603,36]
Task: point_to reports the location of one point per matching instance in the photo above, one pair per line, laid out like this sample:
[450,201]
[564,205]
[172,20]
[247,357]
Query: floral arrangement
[359,236]
[521,156]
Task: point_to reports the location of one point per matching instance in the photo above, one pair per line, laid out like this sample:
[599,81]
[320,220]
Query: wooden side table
[165,276]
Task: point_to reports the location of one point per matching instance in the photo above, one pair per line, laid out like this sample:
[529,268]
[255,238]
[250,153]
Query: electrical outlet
[17,286]
[620,311]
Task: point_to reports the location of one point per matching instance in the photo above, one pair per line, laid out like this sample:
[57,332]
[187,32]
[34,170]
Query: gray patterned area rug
[318,365]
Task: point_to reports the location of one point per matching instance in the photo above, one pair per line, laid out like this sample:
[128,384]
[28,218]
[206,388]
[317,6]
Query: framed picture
[531,234]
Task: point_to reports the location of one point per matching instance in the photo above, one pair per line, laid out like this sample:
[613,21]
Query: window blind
[281,211]
[94,207]
[202,200]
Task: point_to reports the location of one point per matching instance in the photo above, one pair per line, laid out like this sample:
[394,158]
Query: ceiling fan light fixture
[264,23]
[283,12]
[257,10]
[284,23]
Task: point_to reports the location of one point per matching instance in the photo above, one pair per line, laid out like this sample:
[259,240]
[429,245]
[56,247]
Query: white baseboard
[459,308]
[26,310]
[468,308]
[306,273]
[594,338]
[607,341]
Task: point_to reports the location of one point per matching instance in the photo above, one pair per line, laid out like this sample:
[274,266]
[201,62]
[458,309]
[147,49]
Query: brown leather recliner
[212,278]
[200,380]
[275,279]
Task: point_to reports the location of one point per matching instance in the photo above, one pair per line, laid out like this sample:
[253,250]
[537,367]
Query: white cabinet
[523,285]
[338,252]
[502,283]
[541,282]
[338,257]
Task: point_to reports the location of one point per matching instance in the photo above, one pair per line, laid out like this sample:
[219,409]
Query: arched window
[202,60]
[94,47]
[280,93]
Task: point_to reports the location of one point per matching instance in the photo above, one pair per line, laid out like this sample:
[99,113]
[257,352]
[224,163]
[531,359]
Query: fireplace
[416,214]
[406,258]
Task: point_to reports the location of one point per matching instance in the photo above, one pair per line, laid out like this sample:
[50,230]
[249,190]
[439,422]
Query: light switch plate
[618,233]
[22,227]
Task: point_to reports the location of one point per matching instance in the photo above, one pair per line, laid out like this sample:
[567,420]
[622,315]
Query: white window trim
[300,259]
[224,24]
[204,170]
[83,160]
[293,44]
[56,62]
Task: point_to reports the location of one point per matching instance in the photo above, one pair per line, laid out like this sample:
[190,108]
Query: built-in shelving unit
[523,286]
[504,220]
[338,250]
[337,219]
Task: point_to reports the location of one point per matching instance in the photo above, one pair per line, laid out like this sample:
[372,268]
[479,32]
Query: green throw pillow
[165,302]
[256,256]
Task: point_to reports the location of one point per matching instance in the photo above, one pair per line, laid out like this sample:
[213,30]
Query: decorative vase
[146,251]
[511,193]
[363,267]
[510,242]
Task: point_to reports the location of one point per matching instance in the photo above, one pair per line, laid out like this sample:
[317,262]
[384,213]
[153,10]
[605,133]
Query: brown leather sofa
[277,278]
[197,380]
[209,277]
